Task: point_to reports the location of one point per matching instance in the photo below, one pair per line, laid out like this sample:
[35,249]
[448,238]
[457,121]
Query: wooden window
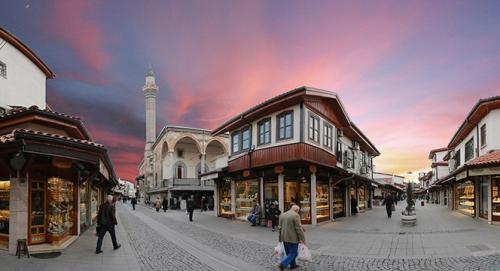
[180,170]
[327,135]
[235,142]
[469,150]
[285,125]
[483,135]
[339,151]
[457,159]
[264,132]
[245,139]
[3,69]
[313,128]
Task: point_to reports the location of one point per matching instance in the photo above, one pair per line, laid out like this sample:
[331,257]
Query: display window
[299,193]
[495,197]
[4,209]
[94,204]
[225,198]
[483,197]
[338,201]
[60,204]
[270,194]
[84,206]
[464,198]
[362,197]
[322,202]
[246,192]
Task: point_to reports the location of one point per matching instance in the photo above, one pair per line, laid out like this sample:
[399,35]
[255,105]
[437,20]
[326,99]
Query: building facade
[52,175]
[297,148]
[387,183]
[473,157]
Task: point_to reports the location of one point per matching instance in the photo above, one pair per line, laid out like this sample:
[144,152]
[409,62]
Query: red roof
[431,153]
[487,159]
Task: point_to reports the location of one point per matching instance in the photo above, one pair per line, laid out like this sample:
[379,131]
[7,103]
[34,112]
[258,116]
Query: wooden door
[37,223]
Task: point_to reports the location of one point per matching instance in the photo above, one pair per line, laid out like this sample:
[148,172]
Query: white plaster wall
[25,82]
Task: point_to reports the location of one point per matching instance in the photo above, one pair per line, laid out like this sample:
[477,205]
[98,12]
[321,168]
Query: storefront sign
[279,169]
[209,177]
[246,173]
[484,171]
[312,169]
[103,170]
[461,175]
[61,162]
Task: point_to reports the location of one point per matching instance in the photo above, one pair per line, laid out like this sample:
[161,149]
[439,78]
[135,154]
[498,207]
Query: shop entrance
[4,211]
[299,192]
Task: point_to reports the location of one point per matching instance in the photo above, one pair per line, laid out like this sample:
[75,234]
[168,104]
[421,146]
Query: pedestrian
[427,198]
[165,204]
[175,203]
[211,203]
[157,204]
[203,204]
[291,234]
[255,213]
[354,205]
[133,202]
[190,207]
[106,221]
[274,214]
[389,201]
[396,198]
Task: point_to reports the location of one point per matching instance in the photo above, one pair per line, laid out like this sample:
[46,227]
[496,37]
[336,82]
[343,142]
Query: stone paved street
[369,241]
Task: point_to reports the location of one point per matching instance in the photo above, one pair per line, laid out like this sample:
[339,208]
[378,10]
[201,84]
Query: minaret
[150,91]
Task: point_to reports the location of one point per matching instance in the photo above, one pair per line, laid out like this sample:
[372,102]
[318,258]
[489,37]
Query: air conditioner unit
[356,145]
[340,133]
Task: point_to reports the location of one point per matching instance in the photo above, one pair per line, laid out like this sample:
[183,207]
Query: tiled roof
[487,159]
[11,137]
[21,109]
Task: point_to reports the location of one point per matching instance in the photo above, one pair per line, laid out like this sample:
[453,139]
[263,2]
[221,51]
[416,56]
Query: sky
[408,72]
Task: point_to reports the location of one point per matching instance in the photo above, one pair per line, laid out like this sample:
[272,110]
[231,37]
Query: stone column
[261,185]
[281,192]
[170,169]
[347,202]
[313,199]
[216,198]
[18,218]
[233,196]
[477,188]
[202,169]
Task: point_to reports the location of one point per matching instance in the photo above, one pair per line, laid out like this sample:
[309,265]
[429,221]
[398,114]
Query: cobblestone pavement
[259,254]
[155,252]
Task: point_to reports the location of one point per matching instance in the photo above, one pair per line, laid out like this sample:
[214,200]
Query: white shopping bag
[279,253]
[304,254]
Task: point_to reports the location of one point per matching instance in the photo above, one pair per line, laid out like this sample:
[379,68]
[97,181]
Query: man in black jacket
[190,207]
[106,221]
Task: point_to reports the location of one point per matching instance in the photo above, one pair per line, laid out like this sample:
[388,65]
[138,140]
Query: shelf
[495,213]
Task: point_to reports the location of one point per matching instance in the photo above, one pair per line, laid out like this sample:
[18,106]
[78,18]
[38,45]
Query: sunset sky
[407,72]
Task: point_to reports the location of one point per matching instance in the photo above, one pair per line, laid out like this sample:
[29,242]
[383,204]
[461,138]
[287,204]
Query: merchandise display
[225,198]
[38,213]
[94,200]
[495,197]
[4,206]
[60,203]
[338,201]
[361,198]
[246,192]
[464,198]
[299,193]
[84,210]
[322,202]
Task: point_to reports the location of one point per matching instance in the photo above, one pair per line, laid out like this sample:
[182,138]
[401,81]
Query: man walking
[106,221]
[389,204]
[190,207]
[133,202]
[291,234]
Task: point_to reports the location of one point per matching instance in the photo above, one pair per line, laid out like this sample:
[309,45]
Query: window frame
[457,159]
[239,134]
[327,130]
[235,133]
[469,150]
[242,131]
[482,135]
[339,153]
[260,124]
[3,71]
[278,130]
[312,120]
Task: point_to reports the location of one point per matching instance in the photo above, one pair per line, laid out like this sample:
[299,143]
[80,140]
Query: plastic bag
[304,254]
[279,253]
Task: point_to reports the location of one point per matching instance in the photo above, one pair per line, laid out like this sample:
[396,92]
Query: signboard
[484,171]
[103,170]
[461,175]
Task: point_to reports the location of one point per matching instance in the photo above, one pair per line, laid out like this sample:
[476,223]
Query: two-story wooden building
[301,148]
[474,163]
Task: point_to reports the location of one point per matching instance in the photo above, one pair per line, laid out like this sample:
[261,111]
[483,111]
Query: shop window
[270,194]
[495,196]
[60,202]
[4,207]
[225,198]
[285,125]
[469,150]
[37,212]
[327,135]
[264,132]
[362,197]
[299,192]
[246,192]
[94,204]
[457,159]
[483,197]
[84,206]
[338,201]
[313,128]
[483,135]
[465,198]
[322,202]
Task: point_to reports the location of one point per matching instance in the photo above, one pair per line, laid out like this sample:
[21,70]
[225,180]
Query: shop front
[246,192]
[495,197]
[465,199]
[224,196]
[4,212]
[338,202]
[322,200]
